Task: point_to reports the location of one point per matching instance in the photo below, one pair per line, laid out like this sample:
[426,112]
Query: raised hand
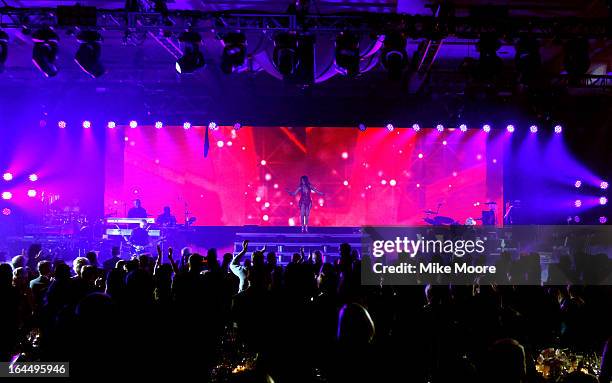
[170,251]
[245,244]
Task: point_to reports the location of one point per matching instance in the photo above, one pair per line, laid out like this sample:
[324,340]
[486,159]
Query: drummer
[166,219]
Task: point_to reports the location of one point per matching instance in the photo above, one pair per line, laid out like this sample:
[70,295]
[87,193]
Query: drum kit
[433,218]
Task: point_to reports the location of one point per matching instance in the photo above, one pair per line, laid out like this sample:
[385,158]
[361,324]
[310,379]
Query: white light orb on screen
[392,182]
[31,193]
[454,174]
[61,124]
[7,176]
[266,218]
[345,155]
[267,204]
[257,199]
[7,195]
[86,124]
[345,183]
[444,143]
[383,182]
[111,125]
[321,201]
[229,143]
[220,144]
[268,177]
[263,162]
[420,155]
[418,185]
[291,221]
[133,124]
[479,157]
[33,177]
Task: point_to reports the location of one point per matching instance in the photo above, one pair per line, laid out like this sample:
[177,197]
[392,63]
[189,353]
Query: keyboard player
[137,211]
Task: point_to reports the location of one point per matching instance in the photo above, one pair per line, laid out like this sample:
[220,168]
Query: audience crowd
[308,321]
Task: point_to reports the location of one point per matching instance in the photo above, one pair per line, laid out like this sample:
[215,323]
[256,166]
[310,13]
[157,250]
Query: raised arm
[238,257]
[175,267]
[293,193]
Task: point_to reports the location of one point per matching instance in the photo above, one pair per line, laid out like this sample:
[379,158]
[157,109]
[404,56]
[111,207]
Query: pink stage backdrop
[374,177]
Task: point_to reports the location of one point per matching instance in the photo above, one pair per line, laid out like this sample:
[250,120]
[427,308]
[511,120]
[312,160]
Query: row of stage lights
[603,200]
[558,129]
[8,177]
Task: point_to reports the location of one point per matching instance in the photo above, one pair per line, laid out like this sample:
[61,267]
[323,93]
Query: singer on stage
[305,203]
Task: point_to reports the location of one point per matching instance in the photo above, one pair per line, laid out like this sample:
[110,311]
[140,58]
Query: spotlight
[7,176]
[603,185]
[510,128]
[7,195]
[133,124]
[440,127]
[285,55]
[88,55]
[558,129]
[234,51]
[159,125]
[33,177]
[31,193]
[533,129]
[486,128]
[393,55]
[61,124]
[237,126]
[111,125]
[490,64]
[603,219]
[186,125]
[192,58]
[212,126]
[578,183]
[86,124]
[528,60]
[45,51]
[3,49]
[347,53]
[577,60]
[578,203]
[603,200]
[416,127]
[362,127]
[390,127]
[6,211]
[463,128]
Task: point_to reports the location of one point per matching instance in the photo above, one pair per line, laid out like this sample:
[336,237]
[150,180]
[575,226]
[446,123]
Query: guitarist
[140,236]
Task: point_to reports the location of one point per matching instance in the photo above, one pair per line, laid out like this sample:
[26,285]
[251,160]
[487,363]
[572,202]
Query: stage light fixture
[393,54]
[603,185]
[234,51]
[577,219]
[347,53]
[192,58]
[7,176]
[6,211]
[416,127]
[186,125]
[603,219]
[528,60]
[111,124]
[361,127]
[578,183]
[390,127]
[490,64]
[88,55]
[558,129]
[577,60]
[510,128]
[44,52]
[159,125]
[237,126]
[603,200]
[578,203]
[86,124]
[31,193]
[440,128]
[7,195]
[463,128]
[212,126]
[285,54]
[3,49]
[533,129]
[61,124]
[133,124]
[33,177]
[486,128]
